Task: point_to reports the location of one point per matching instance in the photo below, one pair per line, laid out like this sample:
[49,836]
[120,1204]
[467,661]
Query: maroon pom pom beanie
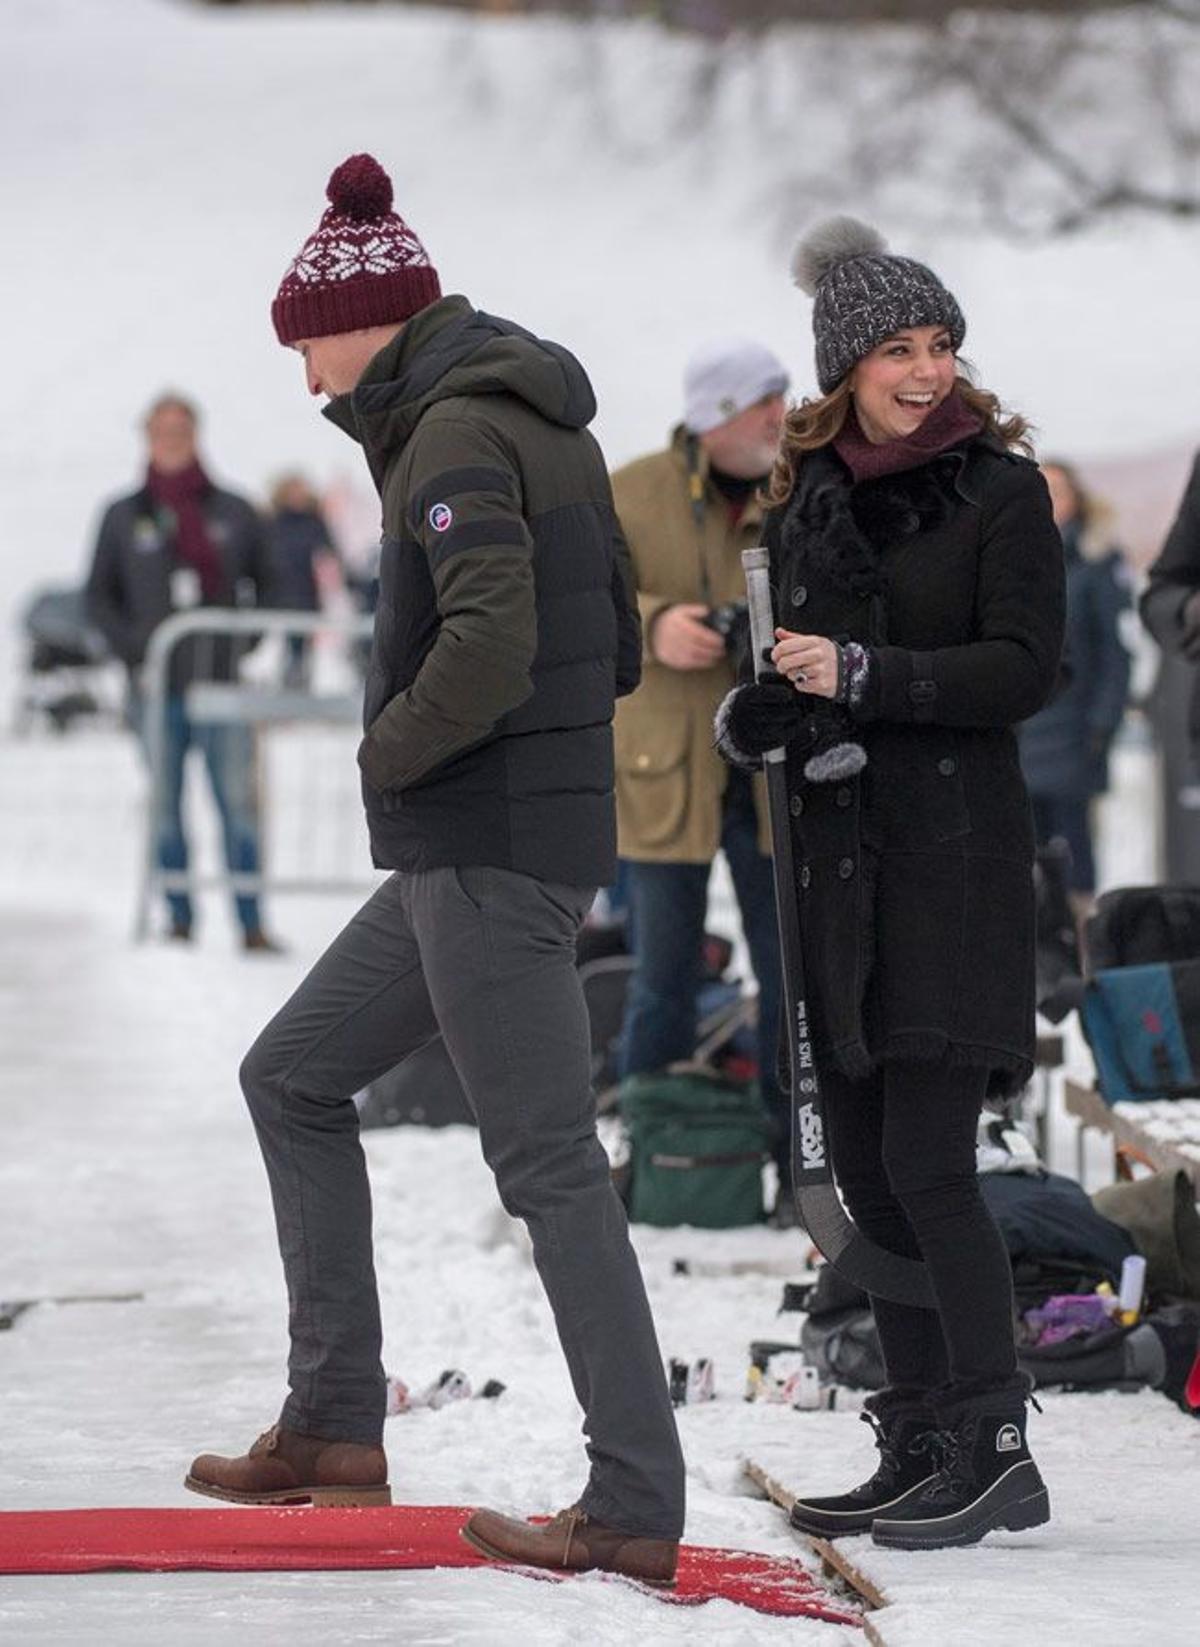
[363,267]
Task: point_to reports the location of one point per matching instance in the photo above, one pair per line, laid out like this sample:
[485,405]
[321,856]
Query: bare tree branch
[1184,11]
[1006,97]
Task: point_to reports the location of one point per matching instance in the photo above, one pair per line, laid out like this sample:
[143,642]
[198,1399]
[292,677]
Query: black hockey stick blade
[883,1274]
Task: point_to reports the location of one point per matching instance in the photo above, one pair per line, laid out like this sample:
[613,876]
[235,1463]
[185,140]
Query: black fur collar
[844,531]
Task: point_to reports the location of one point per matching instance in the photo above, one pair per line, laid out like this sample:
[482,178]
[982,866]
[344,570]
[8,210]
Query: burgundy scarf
[183,494]
[947,425]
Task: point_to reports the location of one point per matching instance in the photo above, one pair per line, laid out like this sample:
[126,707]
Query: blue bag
[1143,1026]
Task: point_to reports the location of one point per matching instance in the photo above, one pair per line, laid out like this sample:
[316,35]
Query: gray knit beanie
[862,294]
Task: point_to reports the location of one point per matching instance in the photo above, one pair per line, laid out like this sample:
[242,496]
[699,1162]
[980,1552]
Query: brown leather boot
[256,942]
[283,1467]
[574,1541]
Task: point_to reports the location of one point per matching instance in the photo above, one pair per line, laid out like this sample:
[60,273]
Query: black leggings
[904,1153]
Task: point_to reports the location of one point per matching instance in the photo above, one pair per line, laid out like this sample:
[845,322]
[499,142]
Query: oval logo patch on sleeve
[441,517]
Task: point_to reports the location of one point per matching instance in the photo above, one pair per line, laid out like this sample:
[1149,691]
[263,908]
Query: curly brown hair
[815,423]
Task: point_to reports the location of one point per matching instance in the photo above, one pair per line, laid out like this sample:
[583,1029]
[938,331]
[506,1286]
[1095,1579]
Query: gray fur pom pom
[834,240]
[834,765]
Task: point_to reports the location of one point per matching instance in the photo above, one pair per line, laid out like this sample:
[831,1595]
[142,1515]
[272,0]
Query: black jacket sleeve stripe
[475,534]
[454,482]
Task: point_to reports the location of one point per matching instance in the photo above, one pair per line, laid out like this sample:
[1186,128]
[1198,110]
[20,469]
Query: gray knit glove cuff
[854,674]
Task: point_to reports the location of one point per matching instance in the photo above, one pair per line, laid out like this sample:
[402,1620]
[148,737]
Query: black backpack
[838,1334]
[1135,925]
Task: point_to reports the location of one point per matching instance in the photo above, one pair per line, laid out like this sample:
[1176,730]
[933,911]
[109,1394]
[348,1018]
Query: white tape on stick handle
[756,566]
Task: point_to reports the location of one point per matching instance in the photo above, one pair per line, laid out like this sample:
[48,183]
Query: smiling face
[900,382]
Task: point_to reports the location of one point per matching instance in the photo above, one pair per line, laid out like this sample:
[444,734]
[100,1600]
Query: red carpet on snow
[312,1540]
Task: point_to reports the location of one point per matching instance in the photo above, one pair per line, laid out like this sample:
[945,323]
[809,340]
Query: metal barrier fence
[257,702]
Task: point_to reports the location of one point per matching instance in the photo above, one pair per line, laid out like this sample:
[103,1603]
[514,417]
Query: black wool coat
[915,878]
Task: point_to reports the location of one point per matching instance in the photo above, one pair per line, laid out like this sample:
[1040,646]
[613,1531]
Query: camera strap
[699,509]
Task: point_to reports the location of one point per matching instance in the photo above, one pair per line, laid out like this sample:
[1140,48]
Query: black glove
[763,716]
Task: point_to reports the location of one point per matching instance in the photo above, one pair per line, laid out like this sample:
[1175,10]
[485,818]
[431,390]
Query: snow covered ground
[128,1165]
[165,161]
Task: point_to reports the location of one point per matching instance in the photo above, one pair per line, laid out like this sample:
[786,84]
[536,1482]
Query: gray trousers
[486,958]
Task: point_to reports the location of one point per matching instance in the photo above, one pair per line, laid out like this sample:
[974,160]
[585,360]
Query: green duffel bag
[697,1144]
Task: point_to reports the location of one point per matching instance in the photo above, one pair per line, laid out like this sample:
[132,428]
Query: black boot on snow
[985,1480]
[903,1422]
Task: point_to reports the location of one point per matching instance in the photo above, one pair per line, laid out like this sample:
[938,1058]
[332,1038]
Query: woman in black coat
[919,590]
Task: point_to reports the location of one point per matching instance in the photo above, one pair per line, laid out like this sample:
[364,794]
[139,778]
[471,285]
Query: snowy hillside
[128,1165]
[165,160]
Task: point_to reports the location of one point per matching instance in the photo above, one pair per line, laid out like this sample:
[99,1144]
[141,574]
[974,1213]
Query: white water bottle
[1133,1282]
[805,1389]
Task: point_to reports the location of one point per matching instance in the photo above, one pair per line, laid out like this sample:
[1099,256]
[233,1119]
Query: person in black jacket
[180,542]
[506,627]
[300,541]
[1064,747]
[919,587]
[1170,604]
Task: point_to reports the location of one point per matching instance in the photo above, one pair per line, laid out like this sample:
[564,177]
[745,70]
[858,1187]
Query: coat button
[642,761]
[843,796]
[797,805]
[846,868]
[805,878]
[799,595]
[947,766]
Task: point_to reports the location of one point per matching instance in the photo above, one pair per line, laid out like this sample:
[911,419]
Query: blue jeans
[228,752]
[1067,817]
[668,903]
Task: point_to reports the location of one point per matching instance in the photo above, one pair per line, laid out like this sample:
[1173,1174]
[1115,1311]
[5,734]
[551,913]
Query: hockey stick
[877,1271]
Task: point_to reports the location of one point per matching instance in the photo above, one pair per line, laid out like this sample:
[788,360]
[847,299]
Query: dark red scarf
[947,425]
[183,494]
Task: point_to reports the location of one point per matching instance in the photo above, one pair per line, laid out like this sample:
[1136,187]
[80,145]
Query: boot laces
[268,1442]
[571,1519]
[952,1452]
[890,1453]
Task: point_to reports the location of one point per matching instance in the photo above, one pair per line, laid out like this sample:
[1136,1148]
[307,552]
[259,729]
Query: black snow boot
[985,1479]
[904,1425]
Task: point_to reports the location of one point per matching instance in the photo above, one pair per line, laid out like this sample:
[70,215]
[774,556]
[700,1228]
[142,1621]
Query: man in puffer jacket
[504,630]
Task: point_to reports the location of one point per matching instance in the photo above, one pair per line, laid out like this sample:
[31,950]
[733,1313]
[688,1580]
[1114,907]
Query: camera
[732,622]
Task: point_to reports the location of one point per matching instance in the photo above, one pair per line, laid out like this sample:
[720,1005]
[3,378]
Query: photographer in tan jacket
[687,513]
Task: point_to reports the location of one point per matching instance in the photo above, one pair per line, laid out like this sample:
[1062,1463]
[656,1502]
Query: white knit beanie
[723,378]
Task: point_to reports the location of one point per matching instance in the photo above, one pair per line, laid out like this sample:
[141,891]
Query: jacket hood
[452,349]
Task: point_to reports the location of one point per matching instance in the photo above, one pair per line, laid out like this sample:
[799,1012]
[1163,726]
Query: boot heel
[349,1498]
[1027,1512]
